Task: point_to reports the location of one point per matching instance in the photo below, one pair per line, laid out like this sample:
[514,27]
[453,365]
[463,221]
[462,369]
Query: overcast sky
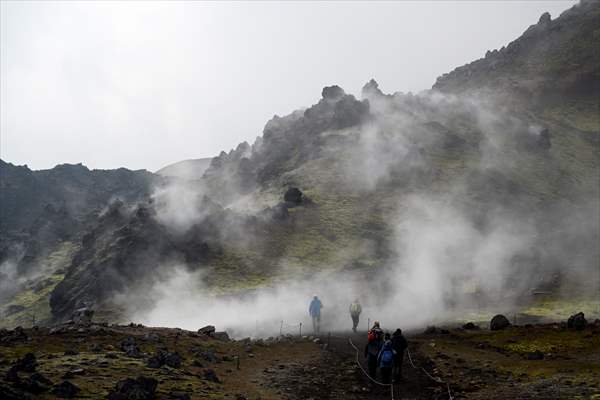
[141,85]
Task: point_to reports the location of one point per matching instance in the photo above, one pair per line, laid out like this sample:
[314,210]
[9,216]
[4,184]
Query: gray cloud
[141,85]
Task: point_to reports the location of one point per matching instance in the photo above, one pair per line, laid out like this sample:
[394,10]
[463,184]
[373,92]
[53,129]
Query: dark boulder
[36,383]
[129,346]
[171,359]
[16,335]
[535,355]
[577,322]
[293,195]
[141,388]
[26,364]
[469,326]
[499,322]
[207,330]
[65,389]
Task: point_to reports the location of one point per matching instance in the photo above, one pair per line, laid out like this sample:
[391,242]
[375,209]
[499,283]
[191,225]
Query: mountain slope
[554,67]
[43,215]
[479,182]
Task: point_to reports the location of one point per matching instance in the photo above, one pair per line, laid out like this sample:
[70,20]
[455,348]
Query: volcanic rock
[172,359]
[332,92]
[469,326]
[577,322]
[293,195]
[129,346]
[141,388]
[27,364]
[210,375]
[36,383]
[17,334]
[499,322]
[82,316]
[207,330]
[65,389]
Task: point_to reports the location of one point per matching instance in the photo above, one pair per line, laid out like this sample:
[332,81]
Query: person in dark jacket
[385,360]
[373,347]
[399,344]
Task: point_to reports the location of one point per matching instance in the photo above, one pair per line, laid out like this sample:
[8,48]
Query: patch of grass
[36,300]
[555,308]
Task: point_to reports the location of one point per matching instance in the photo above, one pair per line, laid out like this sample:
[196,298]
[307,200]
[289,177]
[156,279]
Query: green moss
[36,301]
[563,308]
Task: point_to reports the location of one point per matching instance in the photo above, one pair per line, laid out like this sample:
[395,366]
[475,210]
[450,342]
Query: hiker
[355,310]
[314,310]
[399,344]
[373,347]
[385,359]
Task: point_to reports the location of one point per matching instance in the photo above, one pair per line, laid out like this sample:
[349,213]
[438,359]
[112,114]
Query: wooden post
[237,361]
[300,329]
[368,324]
[281,328]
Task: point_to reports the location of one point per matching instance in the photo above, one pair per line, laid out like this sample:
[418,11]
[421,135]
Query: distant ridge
[186,169]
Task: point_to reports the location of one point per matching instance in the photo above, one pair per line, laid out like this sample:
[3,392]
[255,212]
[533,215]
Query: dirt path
[336,375]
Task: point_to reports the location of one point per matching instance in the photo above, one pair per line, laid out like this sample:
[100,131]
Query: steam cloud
[446,258]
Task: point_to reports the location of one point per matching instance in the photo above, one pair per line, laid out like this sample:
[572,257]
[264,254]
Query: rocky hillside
[496,194]
[554,68]
[43,216]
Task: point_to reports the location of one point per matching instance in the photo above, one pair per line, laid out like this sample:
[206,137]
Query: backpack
[354,308]
[387,358]
[373,335]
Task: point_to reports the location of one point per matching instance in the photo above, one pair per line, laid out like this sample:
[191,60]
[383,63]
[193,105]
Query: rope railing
[390,385]
[435,379]
[438,380]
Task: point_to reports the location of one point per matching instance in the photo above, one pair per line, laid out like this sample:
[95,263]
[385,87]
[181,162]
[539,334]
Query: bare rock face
[332,92]
[371,89]
[499,322]
[82,316]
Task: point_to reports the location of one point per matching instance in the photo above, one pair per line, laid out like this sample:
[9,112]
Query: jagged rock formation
[553,60]
[323,187]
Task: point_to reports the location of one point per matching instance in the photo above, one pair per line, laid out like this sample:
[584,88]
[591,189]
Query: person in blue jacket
[314,310]
[385,359]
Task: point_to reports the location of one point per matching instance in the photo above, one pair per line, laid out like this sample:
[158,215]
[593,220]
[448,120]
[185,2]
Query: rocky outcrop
[552,58]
